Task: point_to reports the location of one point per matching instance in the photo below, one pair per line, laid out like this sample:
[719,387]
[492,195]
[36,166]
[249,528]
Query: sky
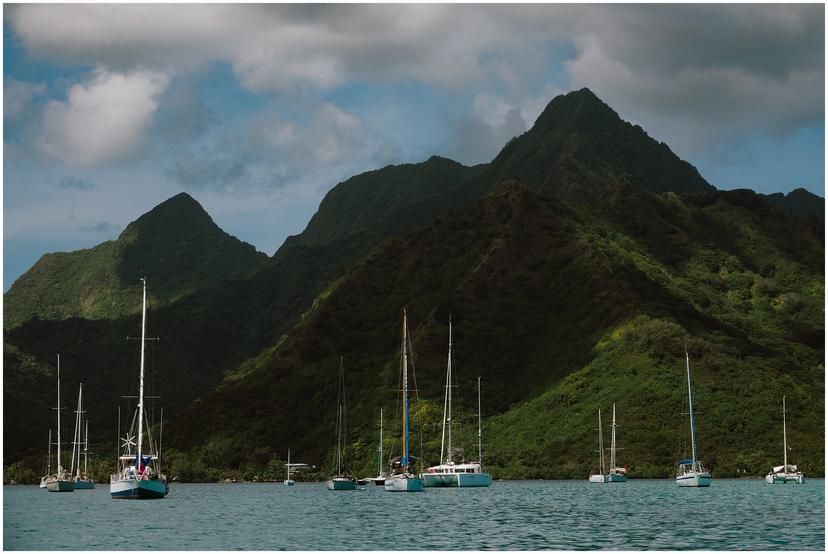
[258,110]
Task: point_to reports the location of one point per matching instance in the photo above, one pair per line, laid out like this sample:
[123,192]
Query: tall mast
[447,407]
[77,437]
[59,468]
[612,445]
[49,459]
[600,446]
[404,460]
[141,378]
[479,428]
[339,442]
[288,465]
[784,437]
[86,448]
[690,398]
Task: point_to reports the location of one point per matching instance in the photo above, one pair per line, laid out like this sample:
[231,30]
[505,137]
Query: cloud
[18,97]
[102,119]
[76,183]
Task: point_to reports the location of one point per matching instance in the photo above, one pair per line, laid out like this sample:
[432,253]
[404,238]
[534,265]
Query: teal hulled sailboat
[139,474]
[341,481]
[691,472]
[61,481]
[404,480]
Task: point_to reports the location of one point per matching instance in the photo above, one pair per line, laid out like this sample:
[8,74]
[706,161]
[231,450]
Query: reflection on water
[524,515]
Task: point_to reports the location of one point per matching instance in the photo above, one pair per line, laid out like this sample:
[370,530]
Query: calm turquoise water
[527,515]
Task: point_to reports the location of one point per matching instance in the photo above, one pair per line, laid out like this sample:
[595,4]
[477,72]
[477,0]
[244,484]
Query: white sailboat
[82,480]
[289,482]
[691,472]
[380,478]
[341,481]
[404,480]
[48,463]
[62,480]
[449,473]
[616,474]
[786,473]
[139,474]
[601,476]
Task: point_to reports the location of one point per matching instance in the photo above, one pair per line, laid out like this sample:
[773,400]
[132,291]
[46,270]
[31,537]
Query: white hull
[599,479]
[138,488]
[43,482]
[694,480]
[437,480]
[408,483]
[289,482]
[785,479]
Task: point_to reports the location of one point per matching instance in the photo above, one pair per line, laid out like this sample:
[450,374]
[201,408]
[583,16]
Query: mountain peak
[178,212]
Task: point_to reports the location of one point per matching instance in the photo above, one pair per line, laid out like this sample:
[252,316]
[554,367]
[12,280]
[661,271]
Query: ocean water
[522,515]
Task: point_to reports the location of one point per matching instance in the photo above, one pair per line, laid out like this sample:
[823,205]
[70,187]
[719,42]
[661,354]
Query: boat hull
[289,482]
[694,480]
[84,484]
[60,485]
[379,481]
[138,489]
[443,480]
[616,478]
[404,484]
[43,483]
[785,479]
[342,484]
[599,479]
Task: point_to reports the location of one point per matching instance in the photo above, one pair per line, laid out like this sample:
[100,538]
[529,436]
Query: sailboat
[139,474]
[290,469]
[341,481]
[48,463]
[616,474]
[380,478]
[786,473]
[601,476]
[449,473]
[691,472]
[404,480]
[82,480]
[62,480]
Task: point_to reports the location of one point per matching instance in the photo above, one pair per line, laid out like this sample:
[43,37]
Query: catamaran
[62,480]
[341,481]
[404,480]
[139,473]
[601,476]
[616,474]
[786,473]
[449,473]
[691,472]
[48,463]
[82,480]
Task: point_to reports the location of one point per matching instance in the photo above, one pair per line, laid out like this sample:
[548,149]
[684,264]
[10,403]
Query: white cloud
[102,119]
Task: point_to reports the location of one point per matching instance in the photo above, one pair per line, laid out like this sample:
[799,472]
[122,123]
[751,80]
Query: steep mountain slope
[176,242]
[213,330]
[549,302]
[579,146]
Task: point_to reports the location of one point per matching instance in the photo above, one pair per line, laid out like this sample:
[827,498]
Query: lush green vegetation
[176,244]
[570,289]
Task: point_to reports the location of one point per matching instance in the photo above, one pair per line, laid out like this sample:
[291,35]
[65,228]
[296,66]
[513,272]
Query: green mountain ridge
[586,251]
[177,243]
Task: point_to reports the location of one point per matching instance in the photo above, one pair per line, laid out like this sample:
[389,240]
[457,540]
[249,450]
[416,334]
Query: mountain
[579,146]
[212,330]
[176,243]
[798,201]
[574,266]
[561,310]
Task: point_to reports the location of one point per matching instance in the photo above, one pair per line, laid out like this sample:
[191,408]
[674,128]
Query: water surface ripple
[517,515]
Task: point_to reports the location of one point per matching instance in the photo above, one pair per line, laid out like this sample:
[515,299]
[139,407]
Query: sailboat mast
[612,444]
[600,446]
[479,428]
[141,378]
[49,459]
[784,437]
[447,407]
[86,448]
[339,442]
[380,446]
[404,460]
[690,398]
[59,468]
[76,438]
